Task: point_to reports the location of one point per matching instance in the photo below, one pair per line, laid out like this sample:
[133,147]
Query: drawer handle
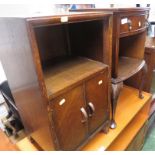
[84,113]
[129,24]
[90,104]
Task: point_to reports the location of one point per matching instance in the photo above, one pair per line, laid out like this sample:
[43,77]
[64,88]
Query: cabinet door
[97,100]
[70,118]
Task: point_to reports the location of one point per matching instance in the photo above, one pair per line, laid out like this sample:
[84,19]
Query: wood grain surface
[67,73]
[6,144]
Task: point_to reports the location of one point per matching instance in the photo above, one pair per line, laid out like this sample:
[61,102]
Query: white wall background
[2,74]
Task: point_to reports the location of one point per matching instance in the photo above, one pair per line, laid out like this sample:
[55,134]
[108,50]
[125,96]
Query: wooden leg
[144,72]
[116,89]
[106,127]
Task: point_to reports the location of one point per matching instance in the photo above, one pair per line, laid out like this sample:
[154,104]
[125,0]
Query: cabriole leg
[116,89]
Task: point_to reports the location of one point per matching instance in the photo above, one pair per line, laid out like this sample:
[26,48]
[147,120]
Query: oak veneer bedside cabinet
[54,66]
[131,129]
[128,42]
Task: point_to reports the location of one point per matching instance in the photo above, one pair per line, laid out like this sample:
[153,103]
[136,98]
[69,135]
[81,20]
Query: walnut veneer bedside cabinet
[128,42]
[58,70]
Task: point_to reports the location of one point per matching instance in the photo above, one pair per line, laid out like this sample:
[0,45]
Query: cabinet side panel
[17,60]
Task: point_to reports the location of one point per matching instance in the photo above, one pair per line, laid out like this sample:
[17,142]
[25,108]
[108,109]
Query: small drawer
[132,23]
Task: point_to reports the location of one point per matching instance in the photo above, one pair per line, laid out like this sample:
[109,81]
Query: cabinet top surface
[68,17]
[48,14]
[115,10]
[63,75]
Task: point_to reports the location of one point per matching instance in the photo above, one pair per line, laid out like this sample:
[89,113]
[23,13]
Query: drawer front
[97,100]
[70,123]
[132,23]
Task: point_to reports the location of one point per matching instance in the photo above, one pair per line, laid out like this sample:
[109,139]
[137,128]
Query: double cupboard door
[79,112]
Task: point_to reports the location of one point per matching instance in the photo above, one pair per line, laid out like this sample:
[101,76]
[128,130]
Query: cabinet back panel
[52,42]
[60,41]
[87,39]
[133,46]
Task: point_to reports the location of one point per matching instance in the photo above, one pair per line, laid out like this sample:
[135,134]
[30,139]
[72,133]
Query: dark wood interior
[77,39]
[60,44]
[131,55]
[52,43]
[149,57]
[132,46]
[86,39]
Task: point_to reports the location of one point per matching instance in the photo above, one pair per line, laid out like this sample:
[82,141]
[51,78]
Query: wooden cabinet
[128,48]
[58,69]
